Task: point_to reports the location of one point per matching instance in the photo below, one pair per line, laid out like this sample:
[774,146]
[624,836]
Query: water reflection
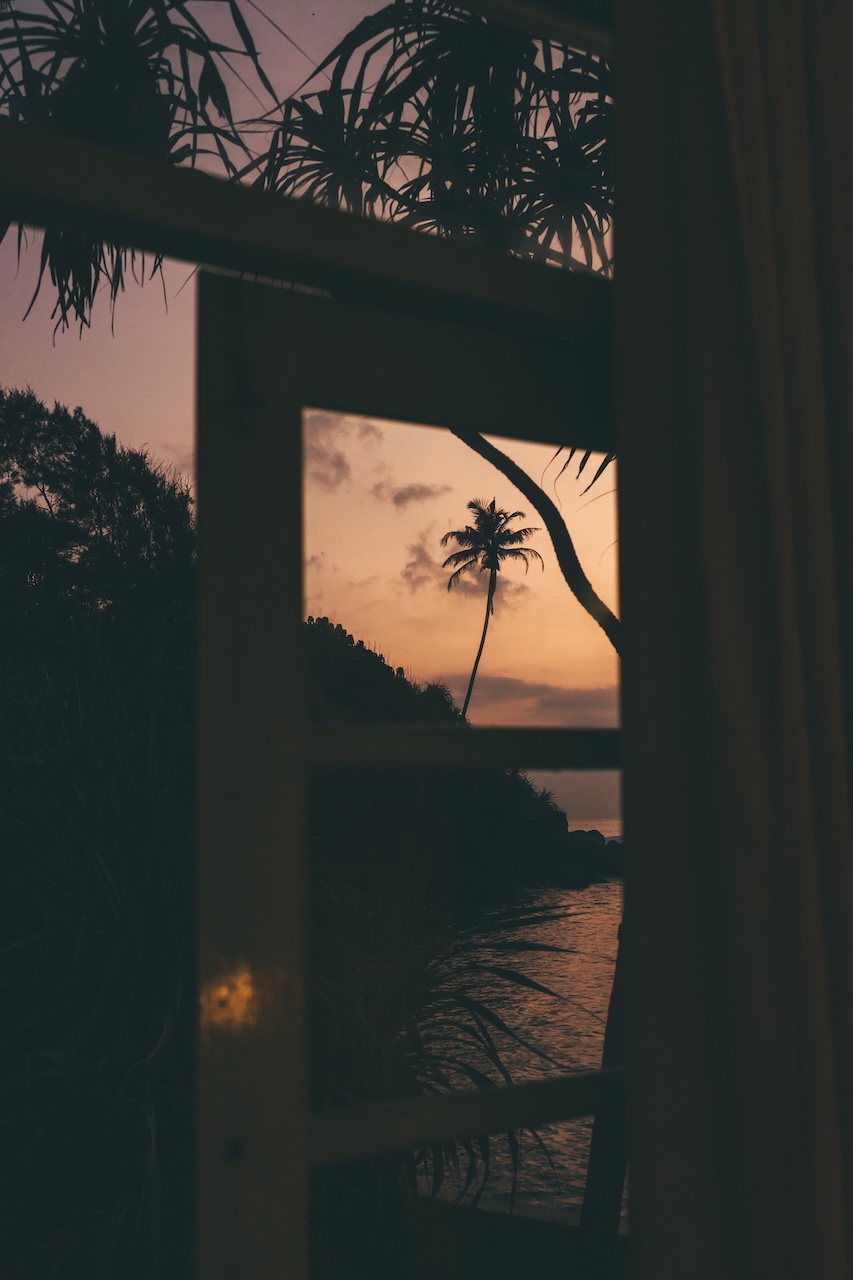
[367,1204]
[568,1026]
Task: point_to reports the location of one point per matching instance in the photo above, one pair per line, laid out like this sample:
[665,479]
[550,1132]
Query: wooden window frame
[265,355]
[252,1190]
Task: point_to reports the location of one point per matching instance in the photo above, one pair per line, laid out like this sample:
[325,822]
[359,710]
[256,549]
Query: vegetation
[445,121]
[143,75]
[564,548]
[96,805]
[475,836]
[87,524]
[96,828]
[484,548]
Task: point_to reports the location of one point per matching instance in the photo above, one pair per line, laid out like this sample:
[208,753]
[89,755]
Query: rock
[601,859]
[584,846]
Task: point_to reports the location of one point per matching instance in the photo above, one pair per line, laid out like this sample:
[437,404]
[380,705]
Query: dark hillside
[479,834]
[349,682]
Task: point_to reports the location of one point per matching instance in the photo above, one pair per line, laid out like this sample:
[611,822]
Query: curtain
[735,353]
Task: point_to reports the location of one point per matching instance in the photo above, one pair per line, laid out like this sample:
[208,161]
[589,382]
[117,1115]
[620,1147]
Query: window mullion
[360,1132]
[401,746]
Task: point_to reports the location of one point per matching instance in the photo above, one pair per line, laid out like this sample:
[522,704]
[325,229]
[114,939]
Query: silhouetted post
[608,1156]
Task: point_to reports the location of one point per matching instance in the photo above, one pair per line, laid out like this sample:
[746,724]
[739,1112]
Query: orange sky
[379,496]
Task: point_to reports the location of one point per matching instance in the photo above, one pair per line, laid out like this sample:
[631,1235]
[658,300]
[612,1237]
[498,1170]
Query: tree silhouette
[485,545]
[564,548]
[87,525]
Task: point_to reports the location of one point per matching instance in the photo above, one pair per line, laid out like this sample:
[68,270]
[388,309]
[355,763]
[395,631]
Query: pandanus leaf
[520,980]
[124,75]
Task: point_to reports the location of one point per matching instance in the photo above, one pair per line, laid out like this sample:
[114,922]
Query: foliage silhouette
[448,122]
[143,75]
[564,548]
[433,117]
[97,645]
[96,904]
[88,525]
[349,681]
[480,834]
[445,121]
[485,547]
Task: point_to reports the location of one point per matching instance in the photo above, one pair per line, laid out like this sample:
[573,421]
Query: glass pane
[461,938]
[389,560]
[463,928]
[436,893]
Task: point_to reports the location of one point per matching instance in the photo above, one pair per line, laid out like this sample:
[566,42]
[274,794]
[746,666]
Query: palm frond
[145,76]
[469,129]
[489,541]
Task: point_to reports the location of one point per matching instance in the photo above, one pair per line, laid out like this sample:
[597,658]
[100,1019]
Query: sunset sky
[379,495]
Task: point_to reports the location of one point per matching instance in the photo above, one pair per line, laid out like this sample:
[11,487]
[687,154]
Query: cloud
[596,708]
[423,569]
[326,438]
[403,495]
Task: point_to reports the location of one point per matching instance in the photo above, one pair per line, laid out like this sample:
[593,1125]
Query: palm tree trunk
[492,581]
[567,557]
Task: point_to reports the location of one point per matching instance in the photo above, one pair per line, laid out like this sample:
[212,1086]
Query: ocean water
[567,1025]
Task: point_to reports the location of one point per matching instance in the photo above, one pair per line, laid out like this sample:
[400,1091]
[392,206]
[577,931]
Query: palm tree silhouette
[484,546]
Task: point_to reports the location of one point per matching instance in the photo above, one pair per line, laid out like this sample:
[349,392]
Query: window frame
[257,1223]
[264,357]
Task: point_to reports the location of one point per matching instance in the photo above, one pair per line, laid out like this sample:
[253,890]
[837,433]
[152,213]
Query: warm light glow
[231,1001]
